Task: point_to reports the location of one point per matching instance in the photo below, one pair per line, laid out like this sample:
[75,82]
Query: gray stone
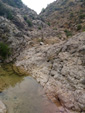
[2,108]
[41,43]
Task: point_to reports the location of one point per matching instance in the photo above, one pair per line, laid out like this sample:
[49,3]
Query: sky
[37,5]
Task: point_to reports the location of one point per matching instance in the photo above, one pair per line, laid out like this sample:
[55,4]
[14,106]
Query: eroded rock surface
[60,69]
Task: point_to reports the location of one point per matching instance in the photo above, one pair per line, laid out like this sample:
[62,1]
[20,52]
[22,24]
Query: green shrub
[54,28]
[29,23]
[79,27]
[68,33]
[4,50]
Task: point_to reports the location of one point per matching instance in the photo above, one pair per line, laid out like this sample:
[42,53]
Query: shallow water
[22,94]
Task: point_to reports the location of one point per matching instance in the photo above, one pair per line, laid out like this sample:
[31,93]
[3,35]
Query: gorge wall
[49,46]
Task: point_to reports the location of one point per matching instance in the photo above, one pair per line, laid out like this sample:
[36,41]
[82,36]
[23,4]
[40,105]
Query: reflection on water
[23,94]
[8,77]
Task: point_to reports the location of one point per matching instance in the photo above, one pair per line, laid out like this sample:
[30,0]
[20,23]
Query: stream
[22,94]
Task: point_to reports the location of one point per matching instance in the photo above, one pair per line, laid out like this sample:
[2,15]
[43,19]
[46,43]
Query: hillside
[65,15]
[18,24]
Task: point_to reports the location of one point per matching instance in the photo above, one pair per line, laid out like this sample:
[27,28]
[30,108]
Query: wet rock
[20,70]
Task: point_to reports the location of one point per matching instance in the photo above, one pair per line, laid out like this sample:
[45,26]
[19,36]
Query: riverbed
[22,94]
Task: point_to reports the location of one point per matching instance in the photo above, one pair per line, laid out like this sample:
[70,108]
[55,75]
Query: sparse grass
[68,33]
[55,28]
[39,40]
[50,41]
[36,41]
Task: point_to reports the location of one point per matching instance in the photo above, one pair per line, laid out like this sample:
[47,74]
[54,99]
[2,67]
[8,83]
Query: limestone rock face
[17,26]
[12,36]
[2,108]
[61,15]
[60,68]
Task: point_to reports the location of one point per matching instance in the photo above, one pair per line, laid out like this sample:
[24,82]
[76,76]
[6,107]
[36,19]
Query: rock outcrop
[18,25]
[60,68]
